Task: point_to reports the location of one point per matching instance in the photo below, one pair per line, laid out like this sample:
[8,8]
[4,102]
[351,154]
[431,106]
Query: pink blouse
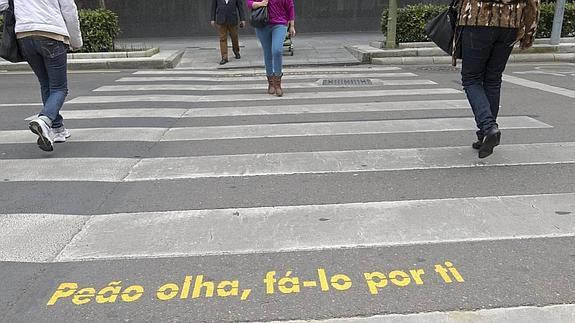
[280,11]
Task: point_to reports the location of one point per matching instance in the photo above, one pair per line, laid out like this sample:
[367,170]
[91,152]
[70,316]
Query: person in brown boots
[224,16]
[281,21]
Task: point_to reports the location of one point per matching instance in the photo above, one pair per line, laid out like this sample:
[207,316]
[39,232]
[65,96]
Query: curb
[515,58]
[145,53]
[428,53]
[161,60]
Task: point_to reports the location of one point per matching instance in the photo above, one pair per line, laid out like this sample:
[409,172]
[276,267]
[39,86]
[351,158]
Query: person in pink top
[281,19]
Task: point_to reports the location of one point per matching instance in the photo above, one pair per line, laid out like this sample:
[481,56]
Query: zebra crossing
[248,139]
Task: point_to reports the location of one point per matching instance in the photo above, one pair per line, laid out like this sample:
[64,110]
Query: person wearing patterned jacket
[489,31]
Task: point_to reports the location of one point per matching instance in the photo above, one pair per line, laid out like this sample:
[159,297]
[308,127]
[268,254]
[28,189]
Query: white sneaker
[61,134]
[44,132]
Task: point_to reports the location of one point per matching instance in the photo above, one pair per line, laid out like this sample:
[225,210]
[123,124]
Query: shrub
[100,28]
[546,20]
[411,21]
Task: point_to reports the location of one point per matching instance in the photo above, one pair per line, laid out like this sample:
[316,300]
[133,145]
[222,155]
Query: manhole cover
[347,82]
[438,68]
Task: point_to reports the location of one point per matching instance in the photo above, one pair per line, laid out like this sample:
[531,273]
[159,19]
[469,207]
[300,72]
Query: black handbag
[441,29]
[9,49]
[259,17]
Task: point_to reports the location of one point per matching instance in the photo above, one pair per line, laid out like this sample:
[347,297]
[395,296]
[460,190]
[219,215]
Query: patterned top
[523,15]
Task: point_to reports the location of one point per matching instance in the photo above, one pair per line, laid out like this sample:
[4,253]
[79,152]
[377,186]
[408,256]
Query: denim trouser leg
[271,38]
[485,53]
[48,60]
[265,37]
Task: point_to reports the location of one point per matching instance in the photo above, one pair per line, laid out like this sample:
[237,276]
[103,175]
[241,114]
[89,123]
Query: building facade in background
[183,18]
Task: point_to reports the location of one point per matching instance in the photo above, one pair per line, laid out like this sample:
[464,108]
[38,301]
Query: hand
[242,24]
[213,23]
[263,3]
[525,44]
[292,31]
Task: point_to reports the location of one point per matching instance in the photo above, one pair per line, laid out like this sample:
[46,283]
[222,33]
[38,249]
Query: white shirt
[53,16]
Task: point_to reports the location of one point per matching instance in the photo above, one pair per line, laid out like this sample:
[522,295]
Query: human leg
[223,33]
[496,65]
[477,44]
[278,37]
[265,37]
[233,30]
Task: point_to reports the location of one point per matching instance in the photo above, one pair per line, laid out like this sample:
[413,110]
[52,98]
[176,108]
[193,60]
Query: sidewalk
[310,49]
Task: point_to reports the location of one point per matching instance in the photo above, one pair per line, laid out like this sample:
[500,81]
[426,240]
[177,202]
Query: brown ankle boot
[271,87]
[278,85]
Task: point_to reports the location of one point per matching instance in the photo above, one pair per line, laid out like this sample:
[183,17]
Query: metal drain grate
[347,82]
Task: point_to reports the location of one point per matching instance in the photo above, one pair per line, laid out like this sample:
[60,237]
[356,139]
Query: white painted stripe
[347,161]
[67,169]
[250,230]
[274,130]
[265,110]
[121,113]
[239,87]
[258,97]
[10,105]
[331,108]
[152,169]
[90,135]
[36,237]
[341,128]
[539,86]
[290,228]
[258,78]
[259,71]
[524,314]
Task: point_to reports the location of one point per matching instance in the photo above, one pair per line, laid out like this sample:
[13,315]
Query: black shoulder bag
[259,17]
[9,49]
[441,29]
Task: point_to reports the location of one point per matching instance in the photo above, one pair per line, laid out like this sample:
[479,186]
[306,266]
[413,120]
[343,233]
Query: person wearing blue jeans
[272,38]
[281,15]
[485,53]
[45,31]
[489,30]
[48,59]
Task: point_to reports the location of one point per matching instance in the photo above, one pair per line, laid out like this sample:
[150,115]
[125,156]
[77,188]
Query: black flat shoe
[223,61]
[238,56]
[492,139]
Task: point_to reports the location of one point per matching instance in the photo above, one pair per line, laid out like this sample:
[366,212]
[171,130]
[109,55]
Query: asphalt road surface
[192,196]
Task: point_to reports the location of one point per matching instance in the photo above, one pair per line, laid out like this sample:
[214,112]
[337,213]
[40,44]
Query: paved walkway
[310,49]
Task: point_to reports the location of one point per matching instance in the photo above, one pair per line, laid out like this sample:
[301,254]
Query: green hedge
[100,28]
[412,19]
[546,22]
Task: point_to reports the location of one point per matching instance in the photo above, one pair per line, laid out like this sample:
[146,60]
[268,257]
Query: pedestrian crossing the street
[214,166]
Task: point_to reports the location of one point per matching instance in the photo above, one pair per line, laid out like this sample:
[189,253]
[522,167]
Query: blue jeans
[485,51]
[48,60]
[272,38]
